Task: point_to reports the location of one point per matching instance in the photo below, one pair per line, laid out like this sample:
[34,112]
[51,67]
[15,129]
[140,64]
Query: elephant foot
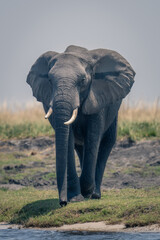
[78,198]
[87,196]
[87,186]
[63,203]
[73,190]
[87,193]
[96,195]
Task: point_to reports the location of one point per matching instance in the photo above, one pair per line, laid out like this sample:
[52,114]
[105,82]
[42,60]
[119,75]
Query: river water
[29,234]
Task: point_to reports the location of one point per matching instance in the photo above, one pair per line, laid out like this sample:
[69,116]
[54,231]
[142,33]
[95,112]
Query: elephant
[81,91]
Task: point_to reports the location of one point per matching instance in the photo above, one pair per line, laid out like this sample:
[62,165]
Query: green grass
[19,131]
[146,171]
[16,158]
[32,165]
[134,130]
[49,176]
[40,208]
[139,130]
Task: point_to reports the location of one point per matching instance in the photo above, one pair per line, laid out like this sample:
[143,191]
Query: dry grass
[139,121]
[22,122]
[140,112]
[17,114]
[34,113]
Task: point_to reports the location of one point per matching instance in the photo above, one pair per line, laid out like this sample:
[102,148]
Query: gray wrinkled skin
[95,82]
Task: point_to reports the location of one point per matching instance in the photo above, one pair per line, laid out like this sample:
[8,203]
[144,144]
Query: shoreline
[90,227]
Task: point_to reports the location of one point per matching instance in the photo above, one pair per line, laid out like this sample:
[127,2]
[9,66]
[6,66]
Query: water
[29,234]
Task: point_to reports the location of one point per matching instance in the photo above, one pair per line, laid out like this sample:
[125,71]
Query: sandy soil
[90,227]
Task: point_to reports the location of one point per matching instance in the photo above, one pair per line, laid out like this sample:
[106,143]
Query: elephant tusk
[73,118]
[49,113]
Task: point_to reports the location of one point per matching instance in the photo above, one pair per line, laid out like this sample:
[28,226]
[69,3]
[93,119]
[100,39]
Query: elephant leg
[87,178]
[73,189]
[91,146]
[105,148]
[79,150]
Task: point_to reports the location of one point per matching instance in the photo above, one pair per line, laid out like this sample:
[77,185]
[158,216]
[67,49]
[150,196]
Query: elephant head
[77,79]
[97,78]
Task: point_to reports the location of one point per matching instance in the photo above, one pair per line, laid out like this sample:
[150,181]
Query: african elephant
[81,92]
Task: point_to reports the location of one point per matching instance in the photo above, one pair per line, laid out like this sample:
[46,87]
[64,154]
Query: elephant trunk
[62,135]
[63,105]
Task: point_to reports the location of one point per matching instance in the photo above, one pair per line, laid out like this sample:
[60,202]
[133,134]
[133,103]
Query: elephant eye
[83,83]
[84,78]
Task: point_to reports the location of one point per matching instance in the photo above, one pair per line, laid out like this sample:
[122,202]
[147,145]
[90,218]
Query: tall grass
[138,121]
[23,121]
[140,111]
[19,114]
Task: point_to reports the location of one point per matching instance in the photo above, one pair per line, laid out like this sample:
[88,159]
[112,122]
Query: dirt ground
[131,164]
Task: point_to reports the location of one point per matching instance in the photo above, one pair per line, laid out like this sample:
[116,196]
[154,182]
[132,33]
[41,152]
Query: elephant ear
[112,80]
[38,78]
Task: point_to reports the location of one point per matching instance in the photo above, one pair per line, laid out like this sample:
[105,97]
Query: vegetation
[9,131]
[40,208]
[140,121]
[22,123]
[139,130]
[27,168]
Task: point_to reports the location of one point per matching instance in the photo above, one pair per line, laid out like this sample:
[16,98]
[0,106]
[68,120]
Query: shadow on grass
[35,209]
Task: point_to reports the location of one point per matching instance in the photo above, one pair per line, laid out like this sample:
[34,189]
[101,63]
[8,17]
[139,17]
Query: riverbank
[90,227]
[39,208]
[131,193]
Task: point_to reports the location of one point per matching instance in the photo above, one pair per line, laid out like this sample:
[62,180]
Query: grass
[139,130]
[140,121]
[18,166]
[22,123]
[35,208]
[144,172]
[40,208]
[24,130]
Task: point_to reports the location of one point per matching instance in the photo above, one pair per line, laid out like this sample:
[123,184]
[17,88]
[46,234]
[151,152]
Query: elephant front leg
[73,190]
[91,147]
[87,179]
[106,146]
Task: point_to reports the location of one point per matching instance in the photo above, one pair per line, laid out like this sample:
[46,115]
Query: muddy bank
[131,164]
